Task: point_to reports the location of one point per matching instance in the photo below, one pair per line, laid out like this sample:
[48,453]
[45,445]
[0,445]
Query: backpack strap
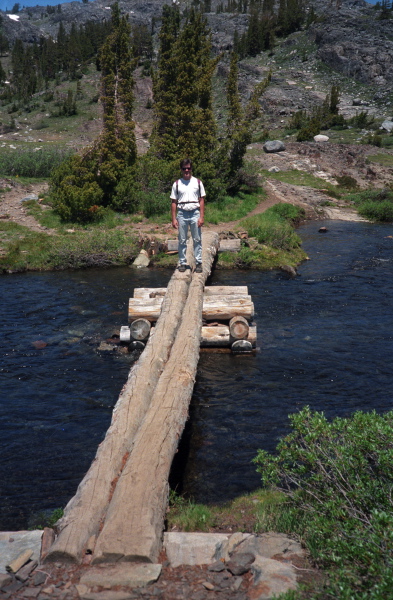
[199,189]
[177,190]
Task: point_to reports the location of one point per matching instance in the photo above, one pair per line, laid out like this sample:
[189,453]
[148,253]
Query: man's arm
[201,219]
[175,224]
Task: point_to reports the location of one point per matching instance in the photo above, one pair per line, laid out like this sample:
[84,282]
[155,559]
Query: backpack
[177,189]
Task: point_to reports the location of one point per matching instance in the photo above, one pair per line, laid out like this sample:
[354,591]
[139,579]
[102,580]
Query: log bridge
[118,511]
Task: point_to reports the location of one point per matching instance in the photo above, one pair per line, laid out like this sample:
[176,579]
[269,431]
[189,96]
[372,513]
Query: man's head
[186,168]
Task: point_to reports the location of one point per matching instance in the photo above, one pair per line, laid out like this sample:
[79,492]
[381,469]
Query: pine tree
[163,140]
[196,131]
[115,150]
[84,184]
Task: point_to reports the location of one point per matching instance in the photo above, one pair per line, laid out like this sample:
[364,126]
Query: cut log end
[239,328]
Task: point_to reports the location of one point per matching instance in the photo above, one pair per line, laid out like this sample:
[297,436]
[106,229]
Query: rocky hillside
[347,45]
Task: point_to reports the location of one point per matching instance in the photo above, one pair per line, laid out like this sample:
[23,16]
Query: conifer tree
[86,183]
[163,139]
[115,149]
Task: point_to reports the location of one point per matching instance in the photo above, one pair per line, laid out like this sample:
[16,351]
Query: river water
[324,339]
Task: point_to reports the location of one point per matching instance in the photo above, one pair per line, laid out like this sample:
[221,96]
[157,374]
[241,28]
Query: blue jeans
[189,219]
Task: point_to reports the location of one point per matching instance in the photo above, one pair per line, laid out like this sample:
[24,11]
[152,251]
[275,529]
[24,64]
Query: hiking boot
[181,268]
[198,268]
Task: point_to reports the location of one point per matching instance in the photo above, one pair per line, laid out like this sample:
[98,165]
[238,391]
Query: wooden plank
[226,290]
[135,518]
[214,307]
[210,290]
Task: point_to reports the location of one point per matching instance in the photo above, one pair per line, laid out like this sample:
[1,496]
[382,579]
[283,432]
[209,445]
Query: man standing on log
[188,200]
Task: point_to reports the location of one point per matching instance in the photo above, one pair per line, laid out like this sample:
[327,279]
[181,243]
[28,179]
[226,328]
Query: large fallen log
[84,514]
[135,518]
[214,307]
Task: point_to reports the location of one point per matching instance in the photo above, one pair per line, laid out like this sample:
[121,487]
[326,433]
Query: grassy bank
[113,241]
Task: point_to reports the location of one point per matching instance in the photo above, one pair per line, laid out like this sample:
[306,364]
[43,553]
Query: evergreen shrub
[337,477]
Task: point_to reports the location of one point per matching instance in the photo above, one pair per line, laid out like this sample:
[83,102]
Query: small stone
[274,170]
[49,590]
[30,592]
[236,583]
[5,579]
[80,588]
[209,586]
[217,566]
[323,230]
[240,562]
[39,578]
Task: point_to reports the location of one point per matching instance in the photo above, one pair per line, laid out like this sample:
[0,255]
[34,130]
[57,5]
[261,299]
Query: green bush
[338,478]
[376,205]
[272,229]
[75,195]
[288,211]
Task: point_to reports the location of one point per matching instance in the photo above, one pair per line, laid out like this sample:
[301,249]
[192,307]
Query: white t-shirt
[189,192]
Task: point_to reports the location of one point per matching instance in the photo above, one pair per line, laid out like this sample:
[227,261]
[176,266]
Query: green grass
[247,513]
[26,162]
[295,177]
[375,205]
[385,160]
[273,230]
[27,250]
[232,208]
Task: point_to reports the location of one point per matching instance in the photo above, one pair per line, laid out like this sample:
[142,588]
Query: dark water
[325,340]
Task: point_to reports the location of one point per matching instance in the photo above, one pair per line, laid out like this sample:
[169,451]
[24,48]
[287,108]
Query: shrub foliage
[338,478]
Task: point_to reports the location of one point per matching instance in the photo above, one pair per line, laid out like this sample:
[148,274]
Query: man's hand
[175,224]
[201,221]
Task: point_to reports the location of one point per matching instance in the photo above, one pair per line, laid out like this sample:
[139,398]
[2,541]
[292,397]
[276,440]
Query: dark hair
[185,163]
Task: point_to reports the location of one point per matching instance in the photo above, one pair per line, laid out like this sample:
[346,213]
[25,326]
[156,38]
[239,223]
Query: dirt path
[12,206]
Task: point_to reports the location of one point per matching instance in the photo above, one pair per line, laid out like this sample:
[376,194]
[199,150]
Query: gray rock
[6,579]
[272,578]
[126,574]
[240,562]
[13,543]
[107,595]
[270,544]
[289,269]
[30,197]
[193,548]
[39,578]
[217,566]
[321,138]
[274,146]
[387,125]
[142,260]
[274,170]
[228,547]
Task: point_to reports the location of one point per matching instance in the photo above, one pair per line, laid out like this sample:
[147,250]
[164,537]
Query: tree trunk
[219,336]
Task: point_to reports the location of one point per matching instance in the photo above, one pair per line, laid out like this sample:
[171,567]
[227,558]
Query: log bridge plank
[122,498]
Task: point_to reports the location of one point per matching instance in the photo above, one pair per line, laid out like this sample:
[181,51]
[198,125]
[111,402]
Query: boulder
[274,146]
[142,260]
[387,125]
[321,138]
